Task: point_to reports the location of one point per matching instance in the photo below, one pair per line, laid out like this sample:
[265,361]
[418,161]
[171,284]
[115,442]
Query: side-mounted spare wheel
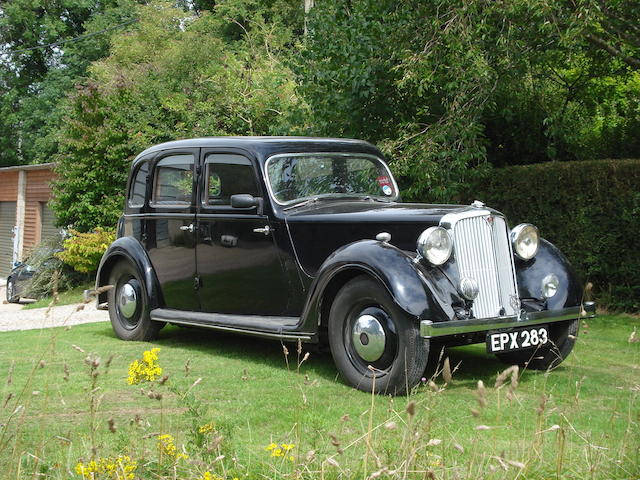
[374,344]
[129,305]
[562,338]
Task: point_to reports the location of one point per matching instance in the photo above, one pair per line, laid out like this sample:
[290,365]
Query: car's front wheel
[562,337]
[11,291]
[374,344]
[129,305]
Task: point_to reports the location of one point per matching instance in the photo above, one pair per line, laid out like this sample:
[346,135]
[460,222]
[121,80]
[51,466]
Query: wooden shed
[25,218]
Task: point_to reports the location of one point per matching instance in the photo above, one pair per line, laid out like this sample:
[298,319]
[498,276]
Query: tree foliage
[447,86]
[173,76]
[46,47]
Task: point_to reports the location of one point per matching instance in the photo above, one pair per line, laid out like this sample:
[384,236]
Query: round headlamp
[525,240]
[435,245]
[550,285]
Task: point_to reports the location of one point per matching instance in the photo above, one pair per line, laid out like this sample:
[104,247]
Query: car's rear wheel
[129,305]
[562,338]
[11,291]
[373,342]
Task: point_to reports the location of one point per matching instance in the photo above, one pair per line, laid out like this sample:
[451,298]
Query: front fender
[131,250]
[549,259]
[420,292]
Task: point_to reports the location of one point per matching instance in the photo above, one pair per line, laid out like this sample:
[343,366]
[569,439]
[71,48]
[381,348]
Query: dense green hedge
[590,209]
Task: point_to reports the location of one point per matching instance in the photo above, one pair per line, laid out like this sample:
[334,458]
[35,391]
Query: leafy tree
[447,87]
[46,47]
[171,77]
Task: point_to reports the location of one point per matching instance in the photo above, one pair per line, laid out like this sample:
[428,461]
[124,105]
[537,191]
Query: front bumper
[429,329]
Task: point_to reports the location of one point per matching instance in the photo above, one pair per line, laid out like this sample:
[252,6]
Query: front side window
[173,184]
[139,186]
[228,174]
[294,177]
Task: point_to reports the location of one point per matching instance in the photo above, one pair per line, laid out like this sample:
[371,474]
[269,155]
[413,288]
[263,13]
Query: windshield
[294,177]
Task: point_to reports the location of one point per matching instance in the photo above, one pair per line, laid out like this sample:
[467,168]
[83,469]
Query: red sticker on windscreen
[383,180]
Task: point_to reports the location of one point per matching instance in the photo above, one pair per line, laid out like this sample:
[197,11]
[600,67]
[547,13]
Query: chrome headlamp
[435,245]
[525,240]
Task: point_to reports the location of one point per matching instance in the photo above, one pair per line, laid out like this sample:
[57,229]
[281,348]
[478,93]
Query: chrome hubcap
[127,300]
[368,338]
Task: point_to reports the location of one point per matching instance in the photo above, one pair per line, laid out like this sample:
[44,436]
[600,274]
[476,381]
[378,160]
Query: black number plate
[518,339]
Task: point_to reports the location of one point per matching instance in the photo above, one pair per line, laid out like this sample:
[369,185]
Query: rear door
[171,237]
[239,266]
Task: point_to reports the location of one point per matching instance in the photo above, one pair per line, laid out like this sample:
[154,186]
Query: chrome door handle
[187,228]
[266,230]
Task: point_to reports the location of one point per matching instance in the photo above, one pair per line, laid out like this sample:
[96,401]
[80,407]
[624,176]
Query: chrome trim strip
[429,329]
[449,220]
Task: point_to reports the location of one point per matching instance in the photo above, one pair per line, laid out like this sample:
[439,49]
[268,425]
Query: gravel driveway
[12,317]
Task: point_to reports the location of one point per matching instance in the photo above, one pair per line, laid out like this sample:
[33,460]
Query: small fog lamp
[550,285]
[468,288]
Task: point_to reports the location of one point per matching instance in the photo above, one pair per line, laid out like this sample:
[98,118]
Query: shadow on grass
[474,363]
[255,351]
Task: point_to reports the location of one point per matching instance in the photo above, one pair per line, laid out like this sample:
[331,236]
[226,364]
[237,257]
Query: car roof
[263,147]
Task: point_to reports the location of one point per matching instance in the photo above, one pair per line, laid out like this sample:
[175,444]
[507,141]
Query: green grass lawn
[579,421]
[75,295]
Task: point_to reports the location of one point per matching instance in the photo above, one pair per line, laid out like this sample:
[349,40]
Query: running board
[256,325]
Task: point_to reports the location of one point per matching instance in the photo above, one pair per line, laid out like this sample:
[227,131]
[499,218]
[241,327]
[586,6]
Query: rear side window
[173,184]
[227,175]
[139,186]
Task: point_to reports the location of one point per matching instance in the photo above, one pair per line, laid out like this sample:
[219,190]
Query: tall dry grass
[175,433]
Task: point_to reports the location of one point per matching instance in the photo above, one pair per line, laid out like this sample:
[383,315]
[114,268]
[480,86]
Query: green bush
[83,251]
[590,210]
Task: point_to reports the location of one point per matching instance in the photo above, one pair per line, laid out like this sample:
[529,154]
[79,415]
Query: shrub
[83,251]
[590,210]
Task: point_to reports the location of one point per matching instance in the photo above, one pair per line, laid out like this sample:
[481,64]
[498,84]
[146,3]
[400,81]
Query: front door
[239,267]
[171,237]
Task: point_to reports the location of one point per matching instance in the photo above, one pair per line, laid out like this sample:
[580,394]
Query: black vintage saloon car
[305,238]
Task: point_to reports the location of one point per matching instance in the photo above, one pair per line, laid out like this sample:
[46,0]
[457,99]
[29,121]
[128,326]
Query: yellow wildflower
[116,468]
[210,476]
[146,369]
[206,428]
[167,447]
[280,450]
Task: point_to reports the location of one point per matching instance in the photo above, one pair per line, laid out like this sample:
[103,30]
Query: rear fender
[131,250]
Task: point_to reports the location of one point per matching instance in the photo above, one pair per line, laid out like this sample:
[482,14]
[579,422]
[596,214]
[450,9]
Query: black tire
[405,352]
[137,325]
[562,338]
[11,287]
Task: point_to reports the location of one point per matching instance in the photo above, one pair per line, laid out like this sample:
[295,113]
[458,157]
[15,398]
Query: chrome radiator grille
[483,252]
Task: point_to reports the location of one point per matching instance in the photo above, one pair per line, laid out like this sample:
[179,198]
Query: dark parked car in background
[305,239]
[17,282]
